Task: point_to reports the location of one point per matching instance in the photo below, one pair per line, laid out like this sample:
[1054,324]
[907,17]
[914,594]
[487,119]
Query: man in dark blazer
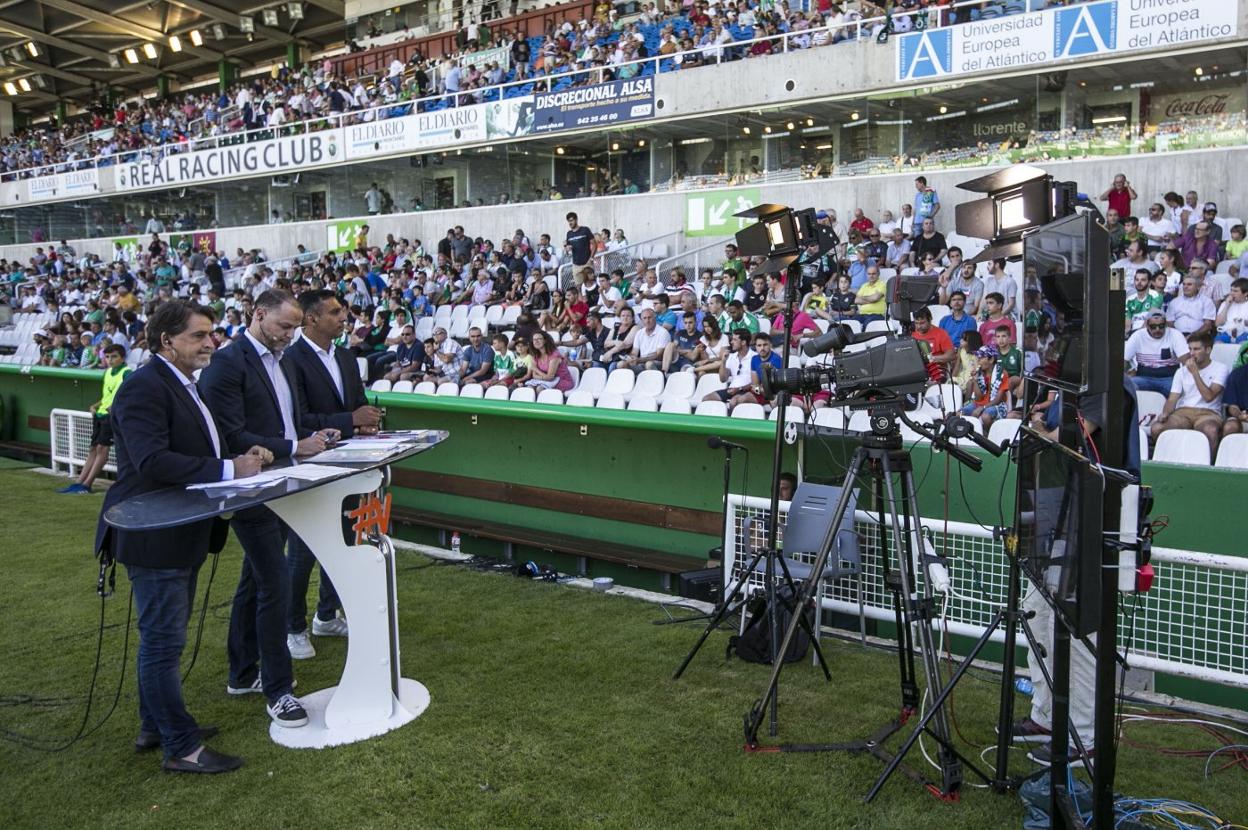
[331,395]
[251,393]
[166,438]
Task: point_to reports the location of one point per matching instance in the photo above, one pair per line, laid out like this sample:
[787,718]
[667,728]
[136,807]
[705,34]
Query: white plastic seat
[1149,406]
[382,385]
[610,400]
[1233,452]
[476,312]
[648,384]
[442,315]
[459,312]
[620,382]
[497,393]
[575,372]
[1182,446]
[459,327]
[593,381]
[718,408]
[1225,353]
[448,390]
[877,325]
[764,325]
[1004,429]
[494,315]
[551,396]
[425,387]
[580,397]
[946,397]
[830,416]
[402,387]
[679,386]
[424,328]
[523,394]
[675,406]
[859,422]
[472,390]
[1145,455]
[510,315]
[643,403]
[853,325]
[749,411]
[707,384]
[791,413]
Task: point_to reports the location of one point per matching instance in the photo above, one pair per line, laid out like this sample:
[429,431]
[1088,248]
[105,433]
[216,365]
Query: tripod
[881,455]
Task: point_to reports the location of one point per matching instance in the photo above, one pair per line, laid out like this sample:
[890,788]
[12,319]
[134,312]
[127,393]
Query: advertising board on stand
[448,128]
[1022,41]
[614,102]
[62,185]
[278,155]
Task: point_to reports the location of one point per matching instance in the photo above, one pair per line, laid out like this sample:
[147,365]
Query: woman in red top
[550,370]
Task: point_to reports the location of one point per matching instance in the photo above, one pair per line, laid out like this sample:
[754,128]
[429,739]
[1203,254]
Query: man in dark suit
[166,437]
[249,389]
[331,395]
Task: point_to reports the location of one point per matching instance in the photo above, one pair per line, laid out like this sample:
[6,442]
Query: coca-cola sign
[1212,104]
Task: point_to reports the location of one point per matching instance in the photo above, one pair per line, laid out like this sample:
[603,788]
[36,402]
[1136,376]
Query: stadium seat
[610,400]
[707,384]
[425,387]
[1226,353]
[675,406]
[643,403]
[946,397]
[448,390]
[764,325]
[1149,406]
[472,390]
[718,408]
[523,394]
[494,316]
[362,363]
[749,411]
[459,312]
[854,326]
[648,384]
[402,387]
[442,316]
[1004,430]
[551,396]
[459,327]
[1144,453]
[510,315]
[497,393]
[679,385]
[1233,452]
[593,381]
[1182,446]
[580,397]
[830,416]
[378,385]
[620,382]
[858,422]
[424,329]
[791,413]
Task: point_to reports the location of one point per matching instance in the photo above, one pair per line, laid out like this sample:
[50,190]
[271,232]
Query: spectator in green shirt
[1010,358]
[90,358]
[736,317]
[1143,301]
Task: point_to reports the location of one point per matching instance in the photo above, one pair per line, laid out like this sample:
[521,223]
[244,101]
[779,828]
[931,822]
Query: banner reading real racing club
[614,102]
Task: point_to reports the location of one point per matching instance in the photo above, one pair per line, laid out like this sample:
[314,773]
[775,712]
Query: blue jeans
[301,559]
[163,597]
[1153,384]
[261,605]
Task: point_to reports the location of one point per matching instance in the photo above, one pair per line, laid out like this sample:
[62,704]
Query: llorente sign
[286,154]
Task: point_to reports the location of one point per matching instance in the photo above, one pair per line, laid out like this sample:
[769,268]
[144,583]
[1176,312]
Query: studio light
[24,83]
[132,56]
[295,10]
[196,38]
[270,17]
[32,48]
[175,43]
[10,88]
[149,49]
[247,24]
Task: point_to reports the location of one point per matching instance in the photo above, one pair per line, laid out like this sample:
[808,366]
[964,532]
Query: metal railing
[608,261]
[234,276]
[71,441]
[1189,625]
[654,65]
[692,261]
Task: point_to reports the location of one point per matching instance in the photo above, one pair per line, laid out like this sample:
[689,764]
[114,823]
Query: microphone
[717,443]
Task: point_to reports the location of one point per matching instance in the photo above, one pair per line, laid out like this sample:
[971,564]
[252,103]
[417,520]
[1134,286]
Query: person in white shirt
[1002,283]
[735,370]
[648,344]
[887,223]
[1195,400]
[1157,227]
[1232,319]
[1189,312]
[1157,351]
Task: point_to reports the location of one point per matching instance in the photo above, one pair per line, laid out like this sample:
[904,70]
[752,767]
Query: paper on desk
[303,472]
[371,443]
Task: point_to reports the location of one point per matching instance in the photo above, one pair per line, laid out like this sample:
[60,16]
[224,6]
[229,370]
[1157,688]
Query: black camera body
[891,370]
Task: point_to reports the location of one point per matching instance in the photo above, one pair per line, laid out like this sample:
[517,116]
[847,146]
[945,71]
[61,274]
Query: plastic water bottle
[455,542]
[1023,685]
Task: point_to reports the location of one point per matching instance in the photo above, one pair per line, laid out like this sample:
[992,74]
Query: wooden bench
[596,549]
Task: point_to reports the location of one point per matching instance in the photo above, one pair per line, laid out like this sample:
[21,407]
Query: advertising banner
[587,106]
[205,241]
[340,236]
[1081,30]
[62,185]
[451,127]
[287,154]
[500,55]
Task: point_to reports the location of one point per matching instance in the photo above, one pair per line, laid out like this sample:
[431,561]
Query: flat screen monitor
[1059,529]
[1066,278]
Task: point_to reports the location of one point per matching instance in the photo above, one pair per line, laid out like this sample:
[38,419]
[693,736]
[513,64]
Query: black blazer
[237,389]
[162,441]
[320,405]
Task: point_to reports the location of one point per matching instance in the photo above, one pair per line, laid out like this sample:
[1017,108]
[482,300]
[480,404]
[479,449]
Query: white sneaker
[300,646]
[336,627]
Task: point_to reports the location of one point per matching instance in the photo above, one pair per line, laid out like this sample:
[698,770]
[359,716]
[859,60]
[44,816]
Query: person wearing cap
[1209,213]
[991,385]
[1156,350]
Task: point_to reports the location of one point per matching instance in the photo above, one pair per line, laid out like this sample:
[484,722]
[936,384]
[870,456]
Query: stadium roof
[79,46]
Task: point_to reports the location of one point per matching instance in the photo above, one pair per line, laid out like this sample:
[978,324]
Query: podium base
[413,700]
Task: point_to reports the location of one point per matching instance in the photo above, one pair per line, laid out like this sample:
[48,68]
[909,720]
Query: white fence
[71,441]
[1193,623]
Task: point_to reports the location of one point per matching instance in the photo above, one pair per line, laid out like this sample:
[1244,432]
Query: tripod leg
[755,716]
[806,626]
[905,642]
[717,616]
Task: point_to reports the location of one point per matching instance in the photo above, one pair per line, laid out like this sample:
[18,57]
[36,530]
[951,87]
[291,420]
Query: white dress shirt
[285,400]
[330,364]
[227,466]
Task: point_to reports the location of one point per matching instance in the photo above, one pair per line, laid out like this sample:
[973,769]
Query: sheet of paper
[303,472]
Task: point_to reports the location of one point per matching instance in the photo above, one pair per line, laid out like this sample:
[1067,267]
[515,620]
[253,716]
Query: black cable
[60,744]
[203,613]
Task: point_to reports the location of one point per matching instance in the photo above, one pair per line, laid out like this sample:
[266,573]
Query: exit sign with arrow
[711,213]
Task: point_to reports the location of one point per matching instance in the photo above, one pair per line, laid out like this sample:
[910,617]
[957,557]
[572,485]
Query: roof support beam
[116,23]
[67,45]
